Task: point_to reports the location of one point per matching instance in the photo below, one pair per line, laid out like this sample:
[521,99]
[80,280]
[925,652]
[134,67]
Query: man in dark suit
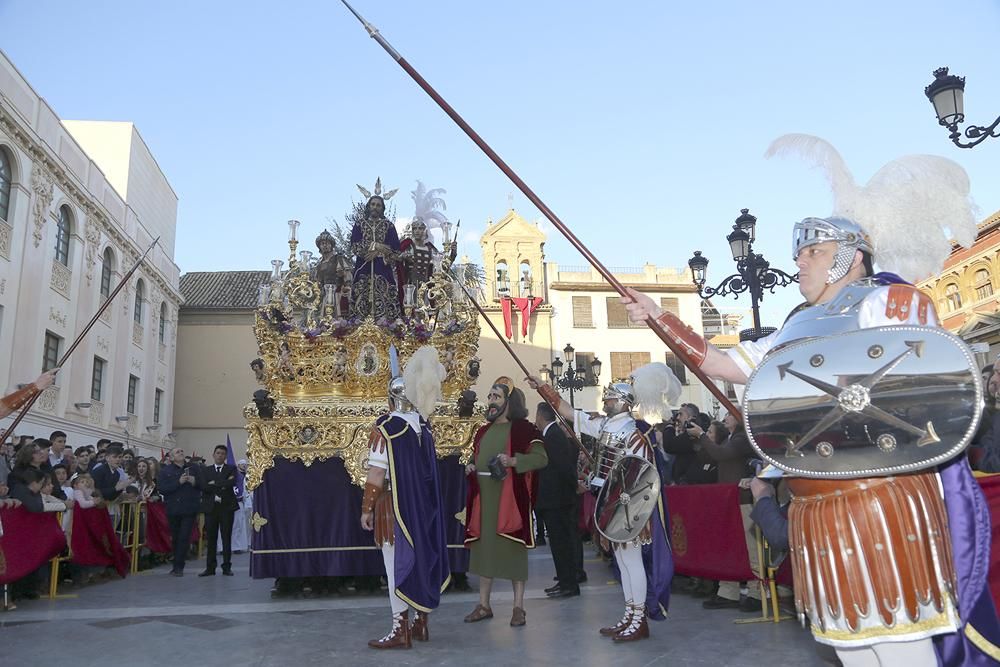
[107,480]
[218,502]
[177,485]
[557,501]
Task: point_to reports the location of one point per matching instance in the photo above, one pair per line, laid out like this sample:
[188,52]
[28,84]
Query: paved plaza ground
[155,619]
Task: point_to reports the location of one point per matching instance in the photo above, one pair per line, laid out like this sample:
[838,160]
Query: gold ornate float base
[341,429]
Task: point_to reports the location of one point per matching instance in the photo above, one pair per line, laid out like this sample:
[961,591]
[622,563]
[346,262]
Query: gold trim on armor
[940,620]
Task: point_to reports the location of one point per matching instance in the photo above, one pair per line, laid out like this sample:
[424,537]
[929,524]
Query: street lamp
[946,92]
[753,273]
[572,380]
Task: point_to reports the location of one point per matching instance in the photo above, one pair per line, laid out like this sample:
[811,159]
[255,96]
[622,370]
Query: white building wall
[52,169]
[602,340]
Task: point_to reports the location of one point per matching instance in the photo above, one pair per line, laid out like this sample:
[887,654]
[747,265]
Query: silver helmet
[847,234]
[619,391]
[397,396]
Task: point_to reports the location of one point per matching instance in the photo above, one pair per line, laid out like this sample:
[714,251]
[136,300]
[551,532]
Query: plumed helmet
[847,234]
[397,395]
[619,391]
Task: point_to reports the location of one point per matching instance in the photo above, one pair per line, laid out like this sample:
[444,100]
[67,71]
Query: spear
[93,320]
[677,349]
[555,408]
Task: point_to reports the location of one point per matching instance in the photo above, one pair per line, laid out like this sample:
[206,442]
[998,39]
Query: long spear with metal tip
[677,349]
[93,320]
[524,369]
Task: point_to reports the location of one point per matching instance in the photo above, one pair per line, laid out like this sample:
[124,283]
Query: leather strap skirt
[871,559]
[384,519]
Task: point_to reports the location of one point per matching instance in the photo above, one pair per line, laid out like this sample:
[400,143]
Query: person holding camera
[675,440]
[176,483]
[502,492]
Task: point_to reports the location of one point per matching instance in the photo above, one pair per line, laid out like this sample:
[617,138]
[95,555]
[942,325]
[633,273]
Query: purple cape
[421,562]
[978,641]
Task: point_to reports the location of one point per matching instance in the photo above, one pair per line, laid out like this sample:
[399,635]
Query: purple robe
[421,545]
[374,292]
[978,641]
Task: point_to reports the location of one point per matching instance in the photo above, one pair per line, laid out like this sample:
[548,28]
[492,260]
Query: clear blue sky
[642,124]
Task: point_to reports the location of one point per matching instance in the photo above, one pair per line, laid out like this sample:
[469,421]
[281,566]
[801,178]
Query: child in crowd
[83,490]
[50,502]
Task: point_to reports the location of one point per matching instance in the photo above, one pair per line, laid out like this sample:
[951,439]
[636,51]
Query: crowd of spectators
[46,475]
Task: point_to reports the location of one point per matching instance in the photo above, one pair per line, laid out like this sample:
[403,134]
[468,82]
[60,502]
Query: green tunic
[493,555]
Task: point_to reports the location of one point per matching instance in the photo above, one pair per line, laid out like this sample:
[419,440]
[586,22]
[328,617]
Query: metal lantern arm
[767,277]
[977,133]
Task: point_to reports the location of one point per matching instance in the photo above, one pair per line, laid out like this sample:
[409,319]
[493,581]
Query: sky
[641,124]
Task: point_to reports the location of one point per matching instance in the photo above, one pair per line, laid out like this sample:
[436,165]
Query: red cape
[517,497]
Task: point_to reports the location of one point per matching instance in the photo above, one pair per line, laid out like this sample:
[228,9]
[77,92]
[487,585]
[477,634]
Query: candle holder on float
[328,371]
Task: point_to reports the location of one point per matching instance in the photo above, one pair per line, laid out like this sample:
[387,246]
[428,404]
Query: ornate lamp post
[753,273]
[946,92]
[573,379]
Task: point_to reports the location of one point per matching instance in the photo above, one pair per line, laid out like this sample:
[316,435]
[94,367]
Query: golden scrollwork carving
[343,433]
[329,381]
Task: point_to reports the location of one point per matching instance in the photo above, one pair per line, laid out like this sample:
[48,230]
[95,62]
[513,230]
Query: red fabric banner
[94,540]
[508,329]
[158,538]
[991,489]
[29,540]
[706,530]
[526,307]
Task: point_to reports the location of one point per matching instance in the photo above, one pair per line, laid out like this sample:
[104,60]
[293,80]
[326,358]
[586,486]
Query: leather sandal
[517,617]
[480,613]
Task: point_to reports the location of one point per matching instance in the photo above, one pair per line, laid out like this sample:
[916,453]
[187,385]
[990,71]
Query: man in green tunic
[500,529]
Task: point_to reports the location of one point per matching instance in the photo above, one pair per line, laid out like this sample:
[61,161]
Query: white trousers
[389,558]
[629,559]
[919,653]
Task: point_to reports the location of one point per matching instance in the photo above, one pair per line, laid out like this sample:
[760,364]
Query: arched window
[163,323]
[524,278]
[983,284]
[6,180]
[62,235]
[503,280]
[140,294]
[954,298]
[107,268]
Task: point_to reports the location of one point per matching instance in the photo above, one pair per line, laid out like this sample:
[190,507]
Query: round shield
[879,401]
[627,499]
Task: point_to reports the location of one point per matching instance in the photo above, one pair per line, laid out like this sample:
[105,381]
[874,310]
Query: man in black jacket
[218,502]
[176,483]
[107,480]
[557,501]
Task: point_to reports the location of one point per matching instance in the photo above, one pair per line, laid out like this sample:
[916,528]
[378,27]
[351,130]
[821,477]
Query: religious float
[326,328]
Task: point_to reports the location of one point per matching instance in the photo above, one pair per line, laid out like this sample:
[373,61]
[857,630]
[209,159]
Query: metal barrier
[130,527]
[67,555]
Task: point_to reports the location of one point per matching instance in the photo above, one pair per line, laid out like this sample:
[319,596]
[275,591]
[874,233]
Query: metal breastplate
[838,315]
[612,444]
[420,264]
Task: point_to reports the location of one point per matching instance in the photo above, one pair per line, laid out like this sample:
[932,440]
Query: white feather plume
[422,379]
[656,390]
[429,206]
[911,208]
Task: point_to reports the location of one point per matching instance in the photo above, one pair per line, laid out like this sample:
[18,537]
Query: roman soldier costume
[406,508]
